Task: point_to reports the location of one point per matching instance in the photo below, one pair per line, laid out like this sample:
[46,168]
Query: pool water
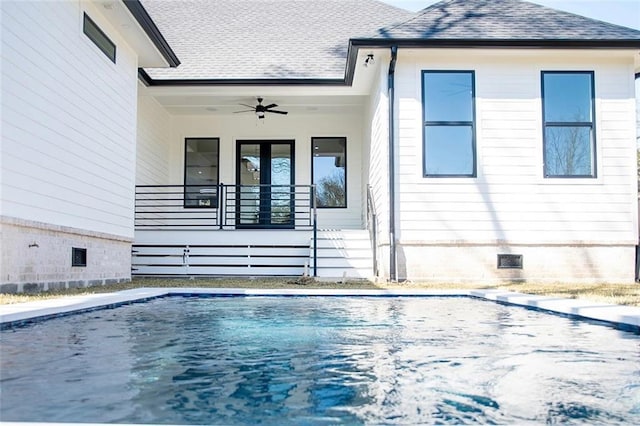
[319,360]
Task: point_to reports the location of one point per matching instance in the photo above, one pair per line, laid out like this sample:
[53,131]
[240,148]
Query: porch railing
[372,225]
[204,207]
[225,206]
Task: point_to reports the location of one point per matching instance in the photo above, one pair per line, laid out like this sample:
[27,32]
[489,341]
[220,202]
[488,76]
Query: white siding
[154,143]
[68,120]
[378,153]
[510,201]
[230,128]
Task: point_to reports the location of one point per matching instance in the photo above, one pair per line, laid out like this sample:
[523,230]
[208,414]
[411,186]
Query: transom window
[568,121]
[201,165]
[329,171]
[449,123]
[99,38]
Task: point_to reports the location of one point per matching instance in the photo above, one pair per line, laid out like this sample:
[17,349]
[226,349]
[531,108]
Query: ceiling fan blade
[248,106]
[278,112]
[246,110]
[271,106]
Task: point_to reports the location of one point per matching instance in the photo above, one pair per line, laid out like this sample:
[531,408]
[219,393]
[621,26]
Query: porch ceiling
[301,99]
[183,104]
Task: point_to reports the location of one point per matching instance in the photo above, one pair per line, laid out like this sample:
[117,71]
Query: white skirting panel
[220,253]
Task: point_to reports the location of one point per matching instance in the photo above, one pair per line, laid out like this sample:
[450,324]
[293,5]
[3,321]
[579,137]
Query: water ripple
[317,361]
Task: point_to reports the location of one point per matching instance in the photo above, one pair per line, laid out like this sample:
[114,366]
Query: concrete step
[344,254]
[343,244]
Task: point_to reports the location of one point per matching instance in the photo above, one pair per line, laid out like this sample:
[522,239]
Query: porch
[243,230]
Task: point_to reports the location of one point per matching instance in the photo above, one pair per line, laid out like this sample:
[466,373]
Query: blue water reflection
[320,360]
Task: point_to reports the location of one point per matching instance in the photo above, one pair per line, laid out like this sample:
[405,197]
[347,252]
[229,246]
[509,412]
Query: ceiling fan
[260,109]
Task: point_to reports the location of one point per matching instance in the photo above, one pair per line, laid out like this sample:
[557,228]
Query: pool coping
[622,317]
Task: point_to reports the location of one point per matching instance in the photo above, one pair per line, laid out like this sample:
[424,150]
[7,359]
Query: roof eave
[148,81]
[498,43]
[372,43]
[378,43]
[142,17]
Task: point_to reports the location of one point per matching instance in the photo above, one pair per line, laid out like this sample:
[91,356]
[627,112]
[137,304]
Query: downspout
[392,166]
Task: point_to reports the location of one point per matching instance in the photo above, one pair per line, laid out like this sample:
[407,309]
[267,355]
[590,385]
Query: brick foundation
[37,257]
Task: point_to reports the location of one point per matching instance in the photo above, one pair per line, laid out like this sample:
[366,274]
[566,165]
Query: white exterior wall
[510,204]
[68,120]
[68,145]
[376,151]
[153,149]
[300,128]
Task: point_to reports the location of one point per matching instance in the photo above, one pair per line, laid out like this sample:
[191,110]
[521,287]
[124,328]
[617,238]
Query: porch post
[221,204]
[315,231]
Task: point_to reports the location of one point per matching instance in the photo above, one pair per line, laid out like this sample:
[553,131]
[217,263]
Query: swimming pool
[319,360]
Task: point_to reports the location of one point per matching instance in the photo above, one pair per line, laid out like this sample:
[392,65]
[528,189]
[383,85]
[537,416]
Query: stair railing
[372,226]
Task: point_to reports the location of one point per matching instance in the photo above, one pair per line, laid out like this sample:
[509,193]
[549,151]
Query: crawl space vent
[78,256]
[509,261]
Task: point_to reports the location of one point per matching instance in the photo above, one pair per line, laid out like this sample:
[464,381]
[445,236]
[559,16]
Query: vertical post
[221,204]
[392,168]
[315,230]
[185,260]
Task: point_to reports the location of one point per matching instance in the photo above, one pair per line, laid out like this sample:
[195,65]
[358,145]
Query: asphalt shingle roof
[265,39]
[502,20]
[308,39]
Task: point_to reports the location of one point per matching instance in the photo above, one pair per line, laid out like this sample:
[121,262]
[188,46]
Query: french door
[265,175]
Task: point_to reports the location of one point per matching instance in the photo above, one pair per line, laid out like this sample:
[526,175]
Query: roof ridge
[416,15]
[573,14]
[529,2]
[502,19]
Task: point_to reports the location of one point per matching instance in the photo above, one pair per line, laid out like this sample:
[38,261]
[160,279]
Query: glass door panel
[248,194]
[265,174]
[281,191]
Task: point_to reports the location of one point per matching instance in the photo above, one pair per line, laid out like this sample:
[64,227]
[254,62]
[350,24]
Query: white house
[473,141]
[68,153]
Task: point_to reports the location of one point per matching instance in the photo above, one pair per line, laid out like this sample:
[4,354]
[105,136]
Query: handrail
[221,206]
[372,225]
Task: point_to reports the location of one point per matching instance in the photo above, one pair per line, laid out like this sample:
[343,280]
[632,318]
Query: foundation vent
[78,256]
[509,261]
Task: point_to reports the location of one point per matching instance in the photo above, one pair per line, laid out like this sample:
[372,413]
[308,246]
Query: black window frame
[214,200]
[472,124]
[87,21]
[584,124]
[346,198]
[265,218]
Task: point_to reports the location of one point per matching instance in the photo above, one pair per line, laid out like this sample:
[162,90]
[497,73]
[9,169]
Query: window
[100,39]
[568,117]
[328,171]
[449,123]
[201,172]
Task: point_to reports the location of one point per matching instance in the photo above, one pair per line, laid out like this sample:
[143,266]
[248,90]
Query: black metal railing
[225,206]
[228,207]
[372,226]
[176,206]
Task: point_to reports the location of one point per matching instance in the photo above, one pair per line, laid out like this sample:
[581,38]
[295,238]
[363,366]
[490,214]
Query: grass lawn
[621,294]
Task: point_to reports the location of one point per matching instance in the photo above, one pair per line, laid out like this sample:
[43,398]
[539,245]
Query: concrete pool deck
[622,317]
